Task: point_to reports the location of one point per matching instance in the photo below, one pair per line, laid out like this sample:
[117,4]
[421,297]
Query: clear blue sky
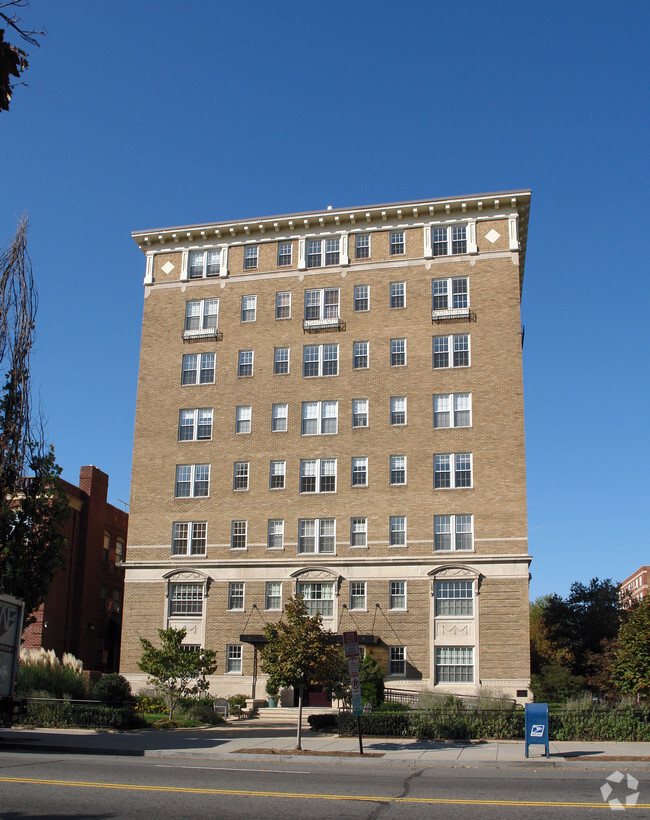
[148,113]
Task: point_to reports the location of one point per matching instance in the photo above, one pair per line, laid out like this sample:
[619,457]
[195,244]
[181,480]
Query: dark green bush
[64,714]
[327,721]
[201,710]
[237,703]
[112,688]
[57,681]
[391,706]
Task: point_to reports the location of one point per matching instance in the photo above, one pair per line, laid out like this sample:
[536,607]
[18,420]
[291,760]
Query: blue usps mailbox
[536,725]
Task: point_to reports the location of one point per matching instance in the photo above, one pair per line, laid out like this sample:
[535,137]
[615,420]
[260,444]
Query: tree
[631,666]
[174,671]
[13,60]
[299,653]
[371,678]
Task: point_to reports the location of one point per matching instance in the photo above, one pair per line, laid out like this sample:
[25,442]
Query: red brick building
[636,586]
[83,611]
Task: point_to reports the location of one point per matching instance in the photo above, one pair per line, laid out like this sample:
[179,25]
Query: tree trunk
[299,732]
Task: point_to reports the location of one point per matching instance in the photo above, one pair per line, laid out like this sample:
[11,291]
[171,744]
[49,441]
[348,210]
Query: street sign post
[351,649]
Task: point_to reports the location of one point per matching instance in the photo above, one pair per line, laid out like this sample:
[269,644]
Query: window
[397,352]
[360,355]
[103,600]
[397,660]
[273,598]
[320,417]
[361,298]
[250,257]
[248,308]
[198,368]
[396,243]
[245,366]
[119,551]
[240,475]
[450,239]
[360,471]
[192,480]
[459,345]
[276,534]
[201,317]
[362,246]
[280,360]
[317,535]
[243,419]
[397,533]
[444,477]
[461,416]
[278,473]
[322,305]
[397,410]
[320,360]
[357,594]
[283,305]
[238,531]
[322,252]
[318,475]
[234,658]
[454,598]
[279,418]
[189,537]
[450,296]
[453,532]
[455,664]
[398,294]
[185,599]
[195,425]
[284,254]
[204,263]
[107,548]
[397,595]
[358,532]
[398,469]
[318,597]
[359,412]
[236,595]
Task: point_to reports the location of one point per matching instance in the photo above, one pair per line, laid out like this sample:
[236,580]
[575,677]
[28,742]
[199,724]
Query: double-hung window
[192,480]
[360,471]
[397,410]
[236,595]
[453,532]
[359,412]
[454,598]
[245,363]
[448,239]
[454,664]
[317,535]
[248,308]
[280,361]
[250,257]
[452,410]
[279,418]
[450,297]
[451,351]
[185,599]
[397,660]
[397,352]
[360,355]
[397,595]
[319,417]
[278,471]
[320,360]
[397,247]
[398,469]
[243,419]
[275,534]
[359,532]
[318,598]
[234,653]
[240,475]
[284,253]
[398,294]
[452,470]
[321,307]
[273,597]
[195,425]
[358,595]
[283,305]
[189,537]
[201,317]
[198,368]
[238,533]
[318,475]
[203,263]
[361,298]
[362,246]
[321,252]
[397,531]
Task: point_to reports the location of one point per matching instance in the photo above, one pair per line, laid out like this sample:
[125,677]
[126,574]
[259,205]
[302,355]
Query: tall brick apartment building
[331,403]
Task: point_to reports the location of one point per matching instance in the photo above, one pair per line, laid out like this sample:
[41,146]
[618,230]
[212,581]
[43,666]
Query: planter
[273,702]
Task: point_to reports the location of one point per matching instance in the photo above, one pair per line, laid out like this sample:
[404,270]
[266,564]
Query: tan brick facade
[479,633]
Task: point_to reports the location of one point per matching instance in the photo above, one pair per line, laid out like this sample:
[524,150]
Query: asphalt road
[47,786]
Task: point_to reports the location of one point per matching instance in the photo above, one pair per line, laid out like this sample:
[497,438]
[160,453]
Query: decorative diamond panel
[168,267]
[492,236]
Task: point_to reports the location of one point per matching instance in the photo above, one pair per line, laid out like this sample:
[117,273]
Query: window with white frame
[245,363]
[452,470]
[397,660]
[186,599]
[198,368]
[360,471]
[357,595]
[250,257]
[359,532]
[397,352]
[321,252]
[359,412]
[192,480]
[240,475]
[317,535]
[283,305]
[284,253]
[235,595]
[397,595]
[318,475]
[450,296]
[452,410]
[248,308]
[238,532]
[201,317]
[361,298]
[398,294]
[397,531]
[279,414]
[189,537]
[195,425]
[280,361]
[397,247]
[321,304]
[397,410]
[455,598]
[398,469]
[359,355]
[275,534]
[451,351]
[273,597]
[447,240]
[278,472]
[320,418]
[453,532]
[362,246]
[243,418]
[320,360]
[234,655]
[203,264]
[454,664]
[318,597]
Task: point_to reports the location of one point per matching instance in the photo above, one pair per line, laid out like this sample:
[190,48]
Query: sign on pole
[351,649]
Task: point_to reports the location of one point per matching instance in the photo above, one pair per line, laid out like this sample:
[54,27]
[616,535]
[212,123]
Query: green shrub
[237,703]
[391,706]
[152,705]
[41,671]
[112,688]
[63,715]
[371,678]
[327,721]
[201,710]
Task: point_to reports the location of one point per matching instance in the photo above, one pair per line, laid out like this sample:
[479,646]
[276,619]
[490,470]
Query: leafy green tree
[631,666]
[173,671]
[371,678]
[299,653]
[555,683]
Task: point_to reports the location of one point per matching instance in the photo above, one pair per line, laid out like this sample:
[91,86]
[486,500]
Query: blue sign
[536,725]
